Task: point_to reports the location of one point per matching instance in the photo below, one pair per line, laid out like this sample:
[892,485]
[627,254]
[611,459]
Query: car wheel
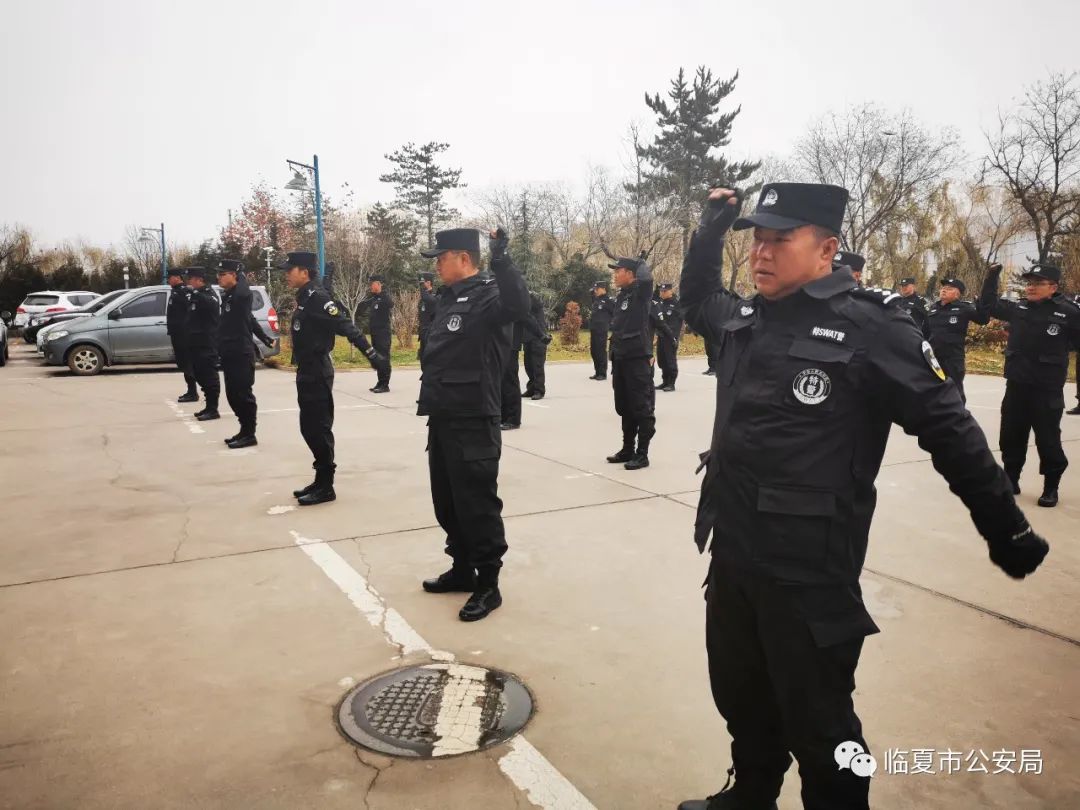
[86,360]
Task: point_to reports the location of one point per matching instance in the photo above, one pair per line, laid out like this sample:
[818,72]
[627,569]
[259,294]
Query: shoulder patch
[331,309]
[886,298]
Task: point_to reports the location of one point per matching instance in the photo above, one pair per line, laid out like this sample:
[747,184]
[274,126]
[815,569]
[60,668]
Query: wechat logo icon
[852,755]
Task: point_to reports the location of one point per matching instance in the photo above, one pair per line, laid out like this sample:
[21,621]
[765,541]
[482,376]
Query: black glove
[267,342]
[499,241]
[719,215]
[995,268]
[1018,554]
[377,360]
[546,340]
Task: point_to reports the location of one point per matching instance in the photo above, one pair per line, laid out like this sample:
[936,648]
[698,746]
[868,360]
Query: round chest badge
[228,307]
[812,386]
[454,323]
[1053,329]
[296,325]
[954,319]
[624,305]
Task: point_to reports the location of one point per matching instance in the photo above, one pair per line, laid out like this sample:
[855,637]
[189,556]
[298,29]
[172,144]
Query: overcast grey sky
[120,112]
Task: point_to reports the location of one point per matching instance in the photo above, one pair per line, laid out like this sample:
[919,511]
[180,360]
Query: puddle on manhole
[435,710]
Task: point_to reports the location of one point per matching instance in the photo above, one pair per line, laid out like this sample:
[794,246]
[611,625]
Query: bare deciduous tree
[885,161]
[1036,153]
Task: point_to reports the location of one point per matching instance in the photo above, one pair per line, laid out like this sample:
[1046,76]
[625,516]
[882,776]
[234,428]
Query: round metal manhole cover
[435,710]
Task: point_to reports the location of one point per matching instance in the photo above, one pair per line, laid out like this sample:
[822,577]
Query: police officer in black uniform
[535,343]
[236,350]
[914,304]
[426,311]
[176,315]
[316,321]
[378,306]
[947,325]
[852,261]
[204,314]
[460,395]
[600,316]
[811,373]
[1075,411]
[525,331]
[667,310]
[1042,329]
[631,362]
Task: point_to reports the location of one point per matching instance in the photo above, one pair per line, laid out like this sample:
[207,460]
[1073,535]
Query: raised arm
[705,303]
[989,304]
[513,301]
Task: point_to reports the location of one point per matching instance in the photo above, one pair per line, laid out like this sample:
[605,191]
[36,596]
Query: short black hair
[823,233]
[474,256]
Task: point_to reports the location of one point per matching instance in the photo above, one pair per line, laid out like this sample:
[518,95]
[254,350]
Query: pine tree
[420,183]
[684,157]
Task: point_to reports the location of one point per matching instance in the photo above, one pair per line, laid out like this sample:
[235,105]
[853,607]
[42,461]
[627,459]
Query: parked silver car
[131,329]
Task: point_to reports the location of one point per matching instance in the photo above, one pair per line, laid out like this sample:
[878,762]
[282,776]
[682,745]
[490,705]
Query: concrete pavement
[165,642]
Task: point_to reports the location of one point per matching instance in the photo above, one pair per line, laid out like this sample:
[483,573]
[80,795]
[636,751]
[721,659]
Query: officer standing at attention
[631,362]
[603,310]
[237,351]
[316,321]
[378,307]
[811,373]
[1075,411]
[535,345]
[1042,329]
[914,304]
[426,310]
[852,261]
[460,395]
[204,314]
[176,315]
[667,348]
[947,325]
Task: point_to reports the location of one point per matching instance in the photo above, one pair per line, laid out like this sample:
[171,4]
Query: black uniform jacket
[631,329]
[1040,336]
[603,310]
[204,315]
[316,321]
[176,313]
[235,329]
[949,324]
[469,341]
[807,390]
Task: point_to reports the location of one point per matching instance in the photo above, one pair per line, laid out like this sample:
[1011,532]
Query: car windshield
[41,300]
[98,303]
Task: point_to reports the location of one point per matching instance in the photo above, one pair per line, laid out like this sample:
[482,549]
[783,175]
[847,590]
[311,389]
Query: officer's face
[600,292]
[1039,289]
[666,294]
[196,282]
[426,285]
[376,287]
[226,280]
[453,266]
[783,261]
[297,277]
[175,281]
[949,294]
[907,289]
[624,277]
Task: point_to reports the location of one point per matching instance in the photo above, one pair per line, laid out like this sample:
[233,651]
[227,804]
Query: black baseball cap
[378,278]
[199,272]
[625,264]
[176,271]
[954,282]
[666,286]
[784,206]
[230,266]
[908,280]
[466,239]
[600,284]
[1044,271]
[847,259]
[301,258]
[428,277]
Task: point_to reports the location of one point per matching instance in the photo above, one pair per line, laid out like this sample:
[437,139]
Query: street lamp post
[164,262]
[299,183]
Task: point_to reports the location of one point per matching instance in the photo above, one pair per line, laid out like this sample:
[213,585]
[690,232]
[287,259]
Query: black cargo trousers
[635,400]
[315,396]
[183,360]
[463,462]
[239,370]
[782,661]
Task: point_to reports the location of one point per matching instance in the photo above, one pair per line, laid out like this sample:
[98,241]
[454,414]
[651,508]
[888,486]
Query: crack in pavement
[184,535]
[379,769]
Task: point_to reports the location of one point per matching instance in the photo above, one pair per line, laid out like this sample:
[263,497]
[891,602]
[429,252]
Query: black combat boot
[190,396]
[1014,479]
[622,456]
[300,493]
[208,414]
[1074,411]
[243,440]
[485,598]
[727,799]
[459,579]
[638,461]
[1049,495]
[232,439]
[323,490]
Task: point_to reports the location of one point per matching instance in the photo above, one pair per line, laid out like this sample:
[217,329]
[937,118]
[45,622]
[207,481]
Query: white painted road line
[336,408]
[532,404]
[183,417]
[526,767]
